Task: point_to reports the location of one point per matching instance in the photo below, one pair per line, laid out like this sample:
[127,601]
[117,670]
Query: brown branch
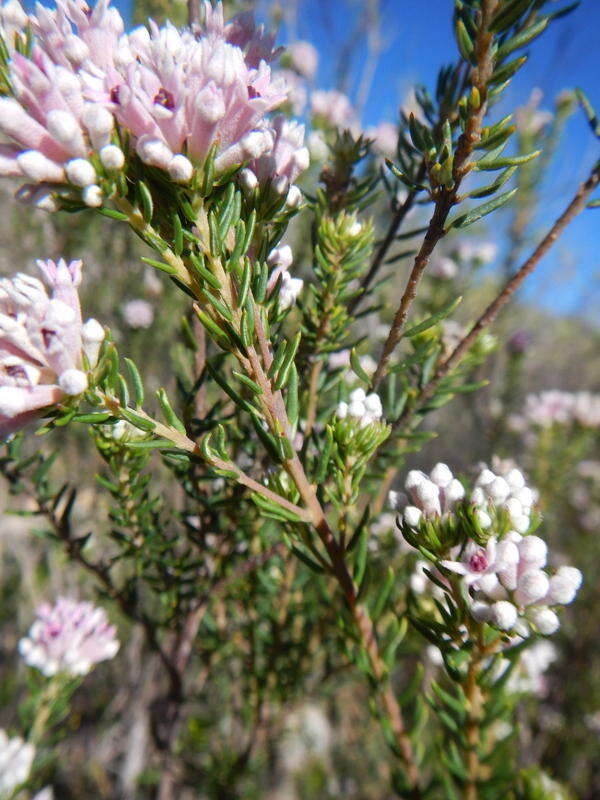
[575,207]
[446,198]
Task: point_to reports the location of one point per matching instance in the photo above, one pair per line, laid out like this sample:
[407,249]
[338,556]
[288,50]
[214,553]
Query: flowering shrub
[237,530]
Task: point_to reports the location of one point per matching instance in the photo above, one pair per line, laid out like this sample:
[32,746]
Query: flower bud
[99,123]
[73,381]
[92,196]
[531,586]
[515,479]
[545,620]
[454,492]
[294,197]
[483,518]
[412,516]
[485,476]
[429,496]
[248,180]
[81,172]
[498,490]
[564,586]
[503,615]
[533,551]
[441,474]
[64,127]
[342,410]
[180,169]
[35,166]
[92,336]
[112,157]
[154,152]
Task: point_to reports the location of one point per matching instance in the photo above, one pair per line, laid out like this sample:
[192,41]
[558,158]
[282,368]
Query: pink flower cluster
[178,94]
[555,407]
[70,637]
[514,590]
[42,343]
[507,577]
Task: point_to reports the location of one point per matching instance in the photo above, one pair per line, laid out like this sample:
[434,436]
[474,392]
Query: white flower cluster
[555,407]
[280,260]
[16,758]
[429,496]
[362,407]
[509,492]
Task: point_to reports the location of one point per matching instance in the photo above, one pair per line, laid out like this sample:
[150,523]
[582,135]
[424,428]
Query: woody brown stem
[445,198]
[575,207]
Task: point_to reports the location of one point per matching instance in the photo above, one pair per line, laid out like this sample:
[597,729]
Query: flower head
[69,637]
[42,342]
[16,758]
[361,407]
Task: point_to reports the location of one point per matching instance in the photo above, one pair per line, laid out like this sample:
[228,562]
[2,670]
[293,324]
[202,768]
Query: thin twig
[575,207]
[446,198]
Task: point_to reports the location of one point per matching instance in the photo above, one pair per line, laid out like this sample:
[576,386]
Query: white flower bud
[92,196]
[81,172]
[294,197]
[487,583]
[154,152]
[112,157]
[545,620]
[373,405]
[342,410]
[485,476]
[281,257]
[525,496]
[514,508]
[248,180]
[414,478]
[428,495]
[412,516]
[280,185]
[302,159]
[356,408]
[393,498]
[483,518]
[255,143]
[64,127]
[35,166]
[522,524]
[515,479]
[441,474]
[478,496]
[180,169]
[564,586]
[508,575]
[92,336]
[454,492]
[498,490]
[481,611]
[359,395]
[99,123]
[531,586]
[73,381]
[355,228]
[533,551]
[504,615]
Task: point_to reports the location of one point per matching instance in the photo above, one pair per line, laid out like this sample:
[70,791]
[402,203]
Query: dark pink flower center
[478,561]
[252,93]
[114,95]
[165,99]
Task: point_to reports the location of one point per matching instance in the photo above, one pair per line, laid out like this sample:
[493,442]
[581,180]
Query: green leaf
[523,38]
[355,362]
[146,201]
[138,386]
[492,188]
[447,309]
[481,211]
[509,161]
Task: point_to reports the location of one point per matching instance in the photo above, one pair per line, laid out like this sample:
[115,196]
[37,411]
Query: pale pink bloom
[42,342]
[477,562]
[530,118]
[433,495]
[16,759]
[297,93]
[385,139]
[287,158]
[444,268]
[69,637]
[304,58]
[333,109]
[138,313]
[13,21]
[178,90]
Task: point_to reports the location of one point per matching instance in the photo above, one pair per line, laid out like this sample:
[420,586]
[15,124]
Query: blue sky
[417,40]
